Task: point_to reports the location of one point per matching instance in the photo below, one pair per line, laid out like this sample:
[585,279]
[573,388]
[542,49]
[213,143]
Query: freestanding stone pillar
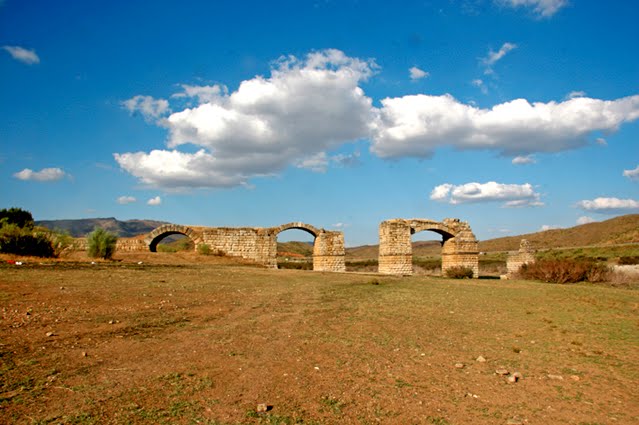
[459,245]
[329,252]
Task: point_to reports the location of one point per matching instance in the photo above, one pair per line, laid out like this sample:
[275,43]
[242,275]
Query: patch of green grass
[333,404]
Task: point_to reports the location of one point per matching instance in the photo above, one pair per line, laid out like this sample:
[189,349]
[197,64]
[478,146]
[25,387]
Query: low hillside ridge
[82,227]
[615,231]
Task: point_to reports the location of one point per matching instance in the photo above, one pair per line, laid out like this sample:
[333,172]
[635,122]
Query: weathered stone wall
[122,245]
[251,243]
[329,252]
[515,260]
[459,245]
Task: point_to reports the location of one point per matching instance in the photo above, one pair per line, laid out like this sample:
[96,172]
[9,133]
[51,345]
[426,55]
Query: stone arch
[156,235]
[328,247]
[459,245]
[298,225]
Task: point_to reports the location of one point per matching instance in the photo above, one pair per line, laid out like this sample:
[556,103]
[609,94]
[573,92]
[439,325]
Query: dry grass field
[180,339]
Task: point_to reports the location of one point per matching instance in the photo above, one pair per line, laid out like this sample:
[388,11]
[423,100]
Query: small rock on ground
[459,365]
[481,359]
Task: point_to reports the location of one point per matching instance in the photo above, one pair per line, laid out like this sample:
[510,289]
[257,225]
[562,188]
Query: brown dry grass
[176,340]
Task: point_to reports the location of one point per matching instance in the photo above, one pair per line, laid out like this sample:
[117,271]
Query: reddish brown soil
[191,339]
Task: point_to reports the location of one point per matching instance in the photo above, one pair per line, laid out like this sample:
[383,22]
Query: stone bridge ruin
[459,245]
[257,244]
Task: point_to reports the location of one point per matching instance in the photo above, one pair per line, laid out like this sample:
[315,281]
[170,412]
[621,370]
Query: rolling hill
[82,227]
[615,231]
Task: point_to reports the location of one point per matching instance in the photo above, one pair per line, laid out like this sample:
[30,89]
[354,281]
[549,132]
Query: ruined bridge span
[259,244]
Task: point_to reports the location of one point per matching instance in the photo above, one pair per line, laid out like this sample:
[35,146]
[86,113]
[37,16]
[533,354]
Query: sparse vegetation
[101,244]
[204,249]
[459,272]
[192,340]
[565,271]
[628,260]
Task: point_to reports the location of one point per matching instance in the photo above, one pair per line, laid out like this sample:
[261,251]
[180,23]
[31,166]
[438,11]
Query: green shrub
[460,272]
[17,216]
[628,260]
[204,249]
[101,243]
[24,241]
[565,271]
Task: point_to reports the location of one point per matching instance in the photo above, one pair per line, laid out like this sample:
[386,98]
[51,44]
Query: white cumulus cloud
[546,227]
[525,159]
[632,174]
[544,8]
[23,55]
[584,219]
[147,106]
[309,107]
[123,200]
[417,74]
[306,107]
[154,201]
[415,125]
[512,195]
[44,175]
[610,205]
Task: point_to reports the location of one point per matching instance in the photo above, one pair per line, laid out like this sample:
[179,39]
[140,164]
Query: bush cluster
[24,241]
[101,244]
[628,260]
[459,272]
[565,271]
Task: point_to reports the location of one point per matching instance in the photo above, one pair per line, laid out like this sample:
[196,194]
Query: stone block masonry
[459,245]
[515,260]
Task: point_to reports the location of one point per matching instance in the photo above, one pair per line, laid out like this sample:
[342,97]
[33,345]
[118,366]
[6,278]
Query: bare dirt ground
[187,339]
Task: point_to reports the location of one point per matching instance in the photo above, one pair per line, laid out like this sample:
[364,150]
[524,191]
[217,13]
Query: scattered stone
[316,367]
[481,359]
[262,408]
[575,377]
[62,288]
[459,365]
[555,377]
[111,322]
[515,377]
[84,354]
[49,334]
[502,371]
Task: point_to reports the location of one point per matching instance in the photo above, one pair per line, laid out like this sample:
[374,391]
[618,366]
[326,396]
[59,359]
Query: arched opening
[427,250]
[295,247]
[172,243]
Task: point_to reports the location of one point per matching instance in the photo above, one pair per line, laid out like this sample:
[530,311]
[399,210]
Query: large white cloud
[610,205]
[28,56]
[309,107]
[512,195]
[304,108]
[44,175]
[544,8]
[417,124]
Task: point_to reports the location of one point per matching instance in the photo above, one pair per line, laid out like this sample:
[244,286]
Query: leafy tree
[17,216]
[101,243]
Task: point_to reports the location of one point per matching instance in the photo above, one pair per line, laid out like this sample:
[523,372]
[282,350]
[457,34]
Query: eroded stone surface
[459,245]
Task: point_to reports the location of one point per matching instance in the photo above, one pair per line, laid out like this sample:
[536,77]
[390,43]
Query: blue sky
[513,115]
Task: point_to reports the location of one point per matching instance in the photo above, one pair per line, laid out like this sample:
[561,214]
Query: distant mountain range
[618,230]
[82,227]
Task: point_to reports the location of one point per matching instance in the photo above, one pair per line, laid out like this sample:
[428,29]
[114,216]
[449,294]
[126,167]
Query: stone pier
[459,245]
